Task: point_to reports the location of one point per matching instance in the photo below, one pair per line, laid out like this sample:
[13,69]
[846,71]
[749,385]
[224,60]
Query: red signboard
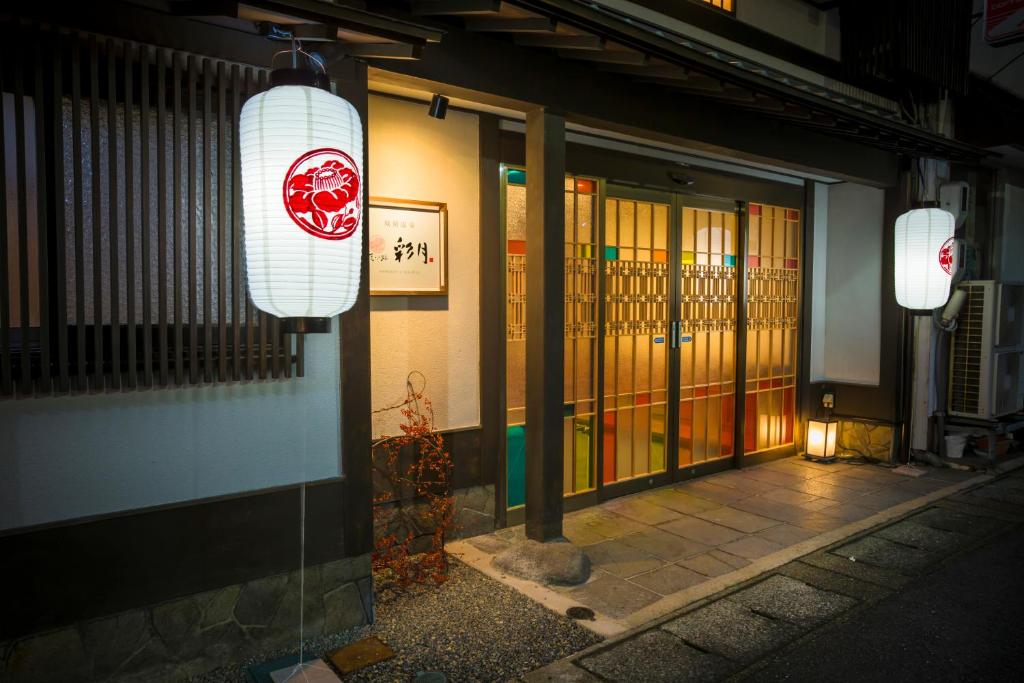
[1004,21]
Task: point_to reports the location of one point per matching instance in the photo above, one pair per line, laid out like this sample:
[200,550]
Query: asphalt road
[964,621]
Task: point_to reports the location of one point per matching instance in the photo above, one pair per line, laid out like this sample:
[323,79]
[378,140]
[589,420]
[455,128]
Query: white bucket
[955,444]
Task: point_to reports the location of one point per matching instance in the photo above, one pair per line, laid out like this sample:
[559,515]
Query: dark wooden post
[545,324]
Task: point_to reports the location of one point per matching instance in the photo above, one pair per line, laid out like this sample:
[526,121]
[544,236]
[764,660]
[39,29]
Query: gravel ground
[471,628]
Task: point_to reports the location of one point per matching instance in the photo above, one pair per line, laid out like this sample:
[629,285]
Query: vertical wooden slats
[129,212]
[25,386]
[94,213]
[97,218]
[222,314]
[193,255]
[161,207]
[251,362]
[59,246]
[76,161]
[207,222]
[179,137]
[114,281]
[264,319]
[6,383]
[42,217]
[237,295]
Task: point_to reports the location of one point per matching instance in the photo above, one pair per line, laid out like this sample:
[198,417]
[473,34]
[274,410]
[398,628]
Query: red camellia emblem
[322,193]
[946,256]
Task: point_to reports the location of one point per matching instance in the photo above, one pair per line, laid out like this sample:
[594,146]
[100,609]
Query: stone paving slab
[678,500]
[786,534]
[562,671]
[834,582]
[731,630]
[702,531]
[669,579]
[707,564]
[911,533]
[739,520]
[959,522]
[751,547]
[862,571]
[661,657]
[612,595]
[664,545]
[642,511]
[782,597]
[616,557]
[886,554]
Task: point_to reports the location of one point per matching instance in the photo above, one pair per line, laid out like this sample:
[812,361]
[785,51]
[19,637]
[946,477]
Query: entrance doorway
[658,342]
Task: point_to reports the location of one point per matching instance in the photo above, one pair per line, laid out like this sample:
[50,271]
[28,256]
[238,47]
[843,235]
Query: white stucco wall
[846,295]
[76,456]
[413,156]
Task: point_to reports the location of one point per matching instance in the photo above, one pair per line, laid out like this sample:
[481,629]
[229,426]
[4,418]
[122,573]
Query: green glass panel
[584,428]
[515,440]
[611,253]
[516,176]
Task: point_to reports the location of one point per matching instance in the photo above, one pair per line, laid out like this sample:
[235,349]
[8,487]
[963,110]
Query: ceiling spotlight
[438,107]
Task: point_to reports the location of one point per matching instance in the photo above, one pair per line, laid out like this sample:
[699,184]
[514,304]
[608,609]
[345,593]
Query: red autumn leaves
[328,195]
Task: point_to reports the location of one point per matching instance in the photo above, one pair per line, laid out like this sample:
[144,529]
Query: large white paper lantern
[924,258]
[302,182]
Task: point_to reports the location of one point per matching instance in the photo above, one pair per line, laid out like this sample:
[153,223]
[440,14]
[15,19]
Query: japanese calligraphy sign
[408,247]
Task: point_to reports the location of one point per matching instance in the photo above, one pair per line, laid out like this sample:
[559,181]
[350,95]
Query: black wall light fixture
[438,107]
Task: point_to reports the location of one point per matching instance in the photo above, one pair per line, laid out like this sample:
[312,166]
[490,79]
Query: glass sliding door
[773,287]
[707,335]
[579,395]
[635,377]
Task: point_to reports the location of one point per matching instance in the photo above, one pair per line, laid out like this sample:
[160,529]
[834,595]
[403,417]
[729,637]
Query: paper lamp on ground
[924,258]
[302,183]
[821,439]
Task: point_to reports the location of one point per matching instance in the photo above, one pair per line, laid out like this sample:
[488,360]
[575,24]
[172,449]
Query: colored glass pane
[584,428]
[586,186]
[609,446]
[643,399]
[515,449]
[689,258]
[516,176]
[753,261]
[660,256]
[611,253]
[755,209]
[730,260]
[568,410]
[728,420]
[517,247]
[685,432]
[791,264]
[750,423]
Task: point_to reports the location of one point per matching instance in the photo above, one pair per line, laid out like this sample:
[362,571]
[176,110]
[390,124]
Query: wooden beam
[381,50]
[561,41]
[545,333]
[204,8]
[661,72]
[454,7]
[517,25]
[606,56]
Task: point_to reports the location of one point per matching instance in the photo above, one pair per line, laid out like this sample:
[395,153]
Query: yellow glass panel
[700,422]
[625,366]
[776,352]
[779,248]
[767,227]
[609,367]
[611,221]
[660,226]
[570,217]
[689,231]
[703,228]
[624,444]
[515,212]
[714,446]
[627,224]
[643,367]
[729,234]
[570,183]
[754,236]
[568,353]
[764,360]
[700,360]
[714,357]
[728,355]
[585,218]
[792,239]
[644,224]
[752,354]
[686,363]
[584,374]
[657,438]
[659,371]
[716,232]
[567,455]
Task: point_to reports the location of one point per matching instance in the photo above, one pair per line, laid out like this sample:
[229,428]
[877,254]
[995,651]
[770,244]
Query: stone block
[561,672]
[469,522]
[861,571]
[220,606]
[654,657]
[833,581]
[924,537]
[177,624]
[111,640]
[57,656]
[886,554]
[344,609]
[557,563]
[781,597]
[339,572]
[613,596]
[731,630]
[260,599]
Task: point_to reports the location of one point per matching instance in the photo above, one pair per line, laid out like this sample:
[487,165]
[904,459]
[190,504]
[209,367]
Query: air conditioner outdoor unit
[985,358]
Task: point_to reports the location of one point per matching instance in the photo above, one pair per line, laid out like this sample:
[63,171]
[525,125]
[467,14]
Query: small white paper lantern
[924,258]
[302,183]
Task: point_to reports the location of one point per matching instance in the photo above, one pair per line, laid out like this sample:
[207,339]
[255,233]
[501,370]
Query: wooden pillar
[545,324]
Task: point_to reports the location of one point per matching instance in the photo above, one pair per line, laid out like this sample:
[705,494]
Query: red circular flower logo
[322,193]
[946,256]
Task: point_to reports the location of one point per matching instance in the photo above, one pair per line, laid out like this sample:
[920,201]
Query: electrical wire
[1003,67]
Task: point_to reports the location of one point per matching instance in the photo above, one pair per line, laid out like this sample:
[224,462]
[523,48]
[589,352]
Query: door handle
[675,330]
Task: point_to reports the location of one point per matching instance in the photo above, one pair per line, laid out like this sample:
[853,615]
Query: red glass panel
[660,256]
[685,432]
[643,399]
[755,209]
[584,186]
[764,384]
[791,263]
[750,426]
[714,389]
[788,407]
[609,446]
[728,415]
[776,382]
[792,215]
[754,261]
[700,391]
[517,247]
